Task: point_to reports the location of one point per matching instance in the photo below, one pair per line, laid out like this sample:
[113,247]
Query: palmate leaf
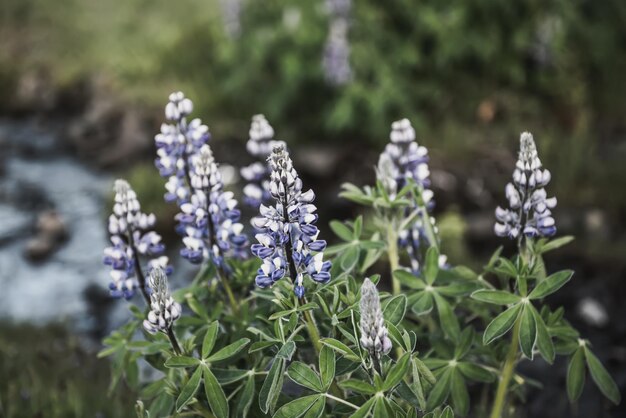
[497,297]
[601,377]
[449,322]
[245,399]
[544,341]
[273,384]
[302,374]
[297,407]
[576,375]
[395,309]
[527,331]
[229,351]
[397,372]
[327,366]
[551,284]
[460,395]
[189,390]
[215,394]
[440,391]
[501,324]
[431,267]
[209,339]
[365,409]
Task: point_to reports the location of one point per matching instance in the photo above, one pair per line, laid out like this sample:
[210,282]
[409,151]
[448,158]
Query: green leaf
[287,350]
[551,284]
[189,390]
[408,279]
[272,386]
[341,230]
[380,409]
[358,386]
[397,372]
[475,372]
[556,243]
[505,267]
[527,332]
[460,396]
[365,409]
[260,345]
[349,258]
[341,348]
[544,341]
[297,408]
[424,304]
[229,351]
[447,413]
[395,309]
[576,375]
[601,377]
[497,297]
[449,322]
[181,361]
[209,339]
[501,324]
[245,400]
[327,366]
[440,391]
[317,409]
[227,376]
[431,267]
[215,394]
[304,376]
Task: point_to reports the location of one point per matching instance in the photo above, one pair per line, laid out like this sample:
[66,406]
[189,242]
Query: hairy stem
[351,405]
[311,327]
[392,254]
[507,374]
[174,341]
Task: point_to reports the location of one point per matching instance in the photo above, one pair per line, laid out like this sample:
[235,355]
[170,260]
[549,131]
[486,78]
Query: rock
[39,248]
[51,225]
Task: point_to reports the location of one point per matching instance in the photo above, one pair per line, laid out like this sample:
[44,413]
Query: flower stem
[392,254]
[231,296]
[507,374]
[311,327]
[173,341]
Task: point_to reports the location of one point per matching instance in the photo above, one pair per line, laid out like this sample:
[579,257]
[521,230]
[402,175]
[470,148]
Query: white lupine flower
[374,334]
[163,309]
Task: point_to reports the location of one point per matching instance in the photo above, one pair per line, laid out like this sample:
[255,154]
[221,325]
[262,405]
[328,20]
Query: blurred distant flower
[288,238]
[210,220]
[336,59]
[404,160]
[374,334]
[177,142]
[163,310]
[529,210]
[231,16]
[257,174]
[131,236]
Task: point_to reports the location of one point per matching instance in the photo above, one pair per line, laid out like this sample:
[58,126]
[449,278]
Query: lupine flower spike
[132,236]
[210,220]
[257,174]
[163,309]
[288,238]
[336,59]
[402,161]
[529,211]
[177,142]
[374,334]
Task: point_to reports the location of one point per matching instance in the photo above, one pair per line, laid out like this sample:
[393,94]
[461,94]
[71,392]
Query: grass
[45,372]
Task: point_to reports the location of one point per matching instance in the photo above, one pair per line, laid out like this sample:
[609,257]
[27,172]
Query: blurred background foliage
[470,75]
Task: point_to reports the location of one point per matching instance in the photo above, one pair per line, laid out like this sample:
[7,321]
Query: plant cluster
[307,330]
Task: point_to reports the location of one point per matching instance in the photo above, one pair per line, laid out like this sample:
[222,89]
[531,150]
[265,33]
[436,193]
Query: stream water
[36,173]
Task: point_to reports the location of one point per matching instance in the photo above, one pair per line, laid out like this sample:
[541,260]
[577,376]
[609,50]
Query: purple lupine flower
[132,238]
[404,160]
[163,309]
[336,58]
[209,221]
[529,210]
[257,174]
[288,238]
[177,142]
